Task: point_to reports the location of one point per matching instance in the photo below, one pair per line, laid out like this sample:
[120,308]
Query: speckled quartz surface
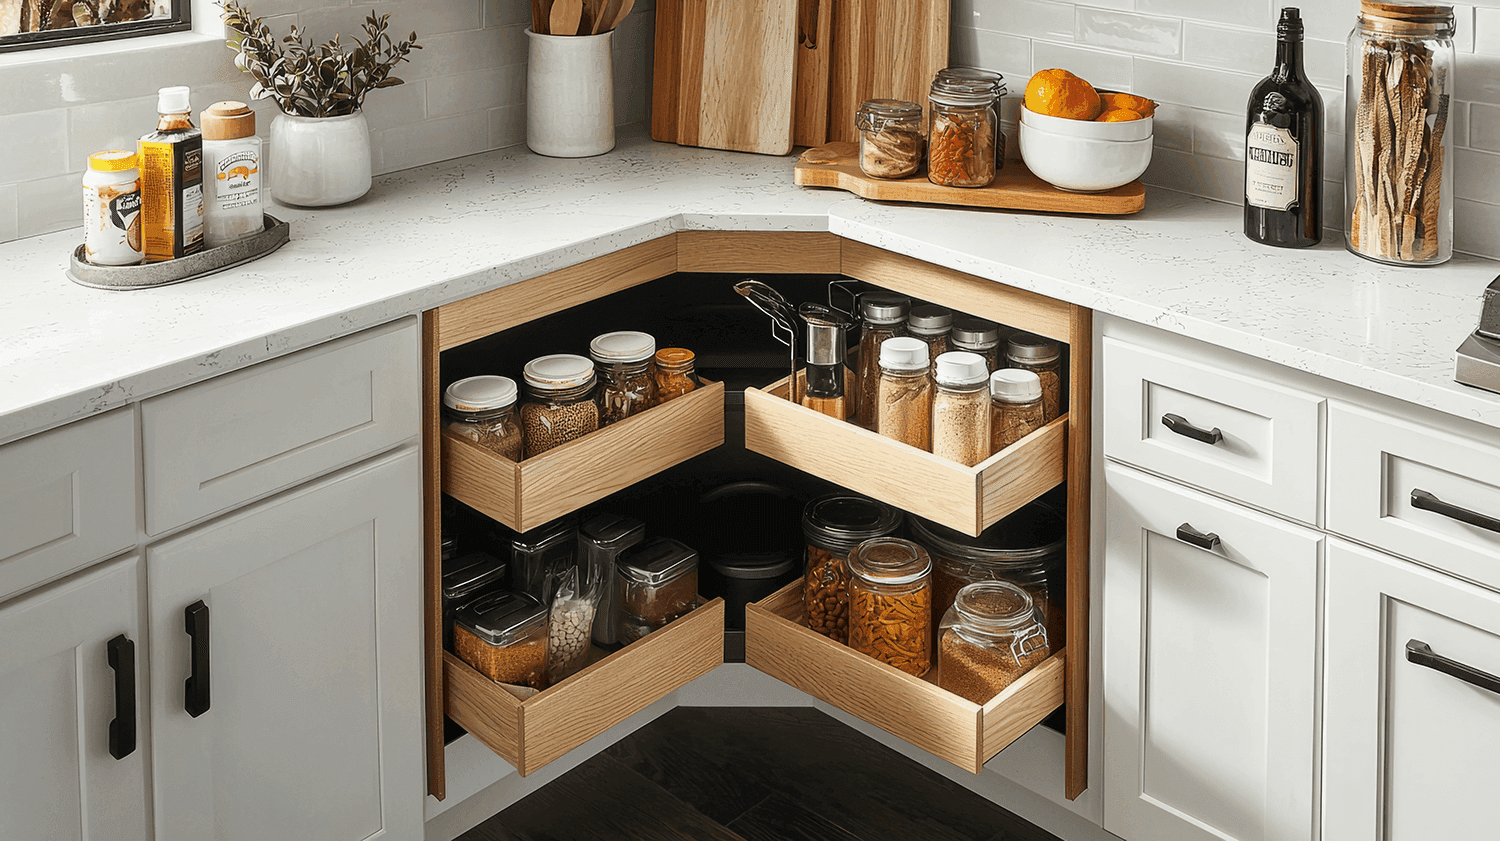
[440,233]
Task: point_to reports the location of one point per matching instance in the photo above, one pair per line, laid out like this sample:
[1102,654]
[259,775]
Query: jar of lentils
[990,637]
[675,373]
[890,603]
[627,385]
[559,404]
[483,409]
[833,525]
[963,129]
[1044,357]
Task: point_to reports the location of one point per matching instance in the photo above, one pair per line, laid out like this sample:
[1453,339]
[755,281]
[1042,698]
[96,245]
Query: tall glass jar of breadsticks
[1398,179]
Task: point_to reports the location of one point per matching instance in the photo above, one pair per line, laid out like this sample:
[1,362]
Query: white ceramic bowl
[1124,131]
[1083,164]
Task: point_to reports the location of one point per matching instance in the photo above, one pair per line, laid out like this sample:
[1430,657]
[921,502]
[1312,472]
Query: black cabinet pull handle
[122,729]
[1421,653]
[1180,425]
[196,696]
[1188,534]
[1427,502]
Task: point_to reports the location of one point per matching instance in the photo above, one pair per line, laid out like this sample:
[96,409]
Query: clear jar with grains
[1030,352]
[627,385]
[890,603]
[997,83]
[833,525]
[884,316]
[1400,143]
[676,373]
[483,409]
[963,129]
[560,404]
[504,637]
[976,335]
[961,408]
[903,399]
[1015,407]
[890,138]
[932,324]
[987,639]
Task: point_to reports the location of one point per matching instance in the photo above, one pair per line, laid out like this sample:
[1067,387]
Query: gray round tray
[202,264]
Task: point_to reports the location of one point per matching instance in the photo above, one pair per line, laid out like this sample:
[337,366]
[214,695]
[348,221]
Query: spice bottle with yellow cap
[232,177]
[112,209]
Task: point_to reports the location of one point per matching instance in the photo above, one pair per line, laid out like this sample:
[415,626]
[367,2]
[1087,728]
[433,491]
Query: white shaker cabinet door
[61,651]
[1412,700]
[1210,642]
[306,679]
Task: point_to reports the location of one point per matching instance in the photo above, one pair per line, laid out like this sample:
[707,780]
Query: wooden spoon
[538,17]
[566,15]
[622,13]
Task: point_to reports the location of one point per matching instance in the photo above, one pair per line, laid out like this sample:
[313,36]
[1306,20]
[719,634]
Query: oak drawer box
[1416,491]
[69,499]
[217,444]
[1229,433]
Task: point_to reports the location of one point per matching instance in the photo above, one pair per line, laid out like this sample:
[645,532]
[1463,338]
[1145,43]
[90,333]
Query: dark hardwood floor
[752,774]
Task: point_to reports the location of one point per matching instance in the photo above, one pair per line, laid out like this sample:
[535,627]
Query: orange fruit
[1058,93]
[1128,102]
[1117,115]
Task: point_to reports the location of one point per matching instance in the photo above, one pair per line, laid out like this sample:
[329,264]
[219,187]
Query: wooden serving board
[1015,188]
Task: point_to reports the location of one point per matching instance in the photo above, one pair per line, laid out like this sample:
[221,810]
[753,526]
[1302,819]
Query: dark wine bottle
[1284,149]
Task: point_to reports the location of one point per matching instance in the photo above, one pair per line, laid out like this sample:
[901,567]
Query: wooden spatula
[620,15]
[566,15]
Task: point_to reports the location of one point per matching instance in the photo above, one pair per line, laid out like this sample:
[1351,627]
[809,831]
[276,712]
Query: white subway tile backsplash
[1201,87]
[1219,135]
[476,91]
[1046,19]
[508,13]
[1130,33]
[36,145]
[8,220]
[1478,78]
[1010,55]
[1487,31]
[1254,14]
[431,140]
[1207,45]
[1327,20]
[1172,127]
[1476,228]
[110,125]
[402,104]
[1214,178]
[425,17]
[49,204]
[507,126]
[1484,127]
[1476,176]
[1103,69]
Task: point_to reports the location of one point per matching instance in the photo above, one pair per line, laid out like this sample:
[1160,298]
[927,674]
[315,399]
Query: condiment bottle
[904,399]
[931,324]
[976,335]
[884,315]
[112,209]
[560,404]
[997,83]
[963,130]
[232,177]
[626,385]
[827,332]
[890,138]
[988,638]
[961,408]
[482,409]
[1043,356]
[890,603]
[1016,406]
[171,162]
[675,373]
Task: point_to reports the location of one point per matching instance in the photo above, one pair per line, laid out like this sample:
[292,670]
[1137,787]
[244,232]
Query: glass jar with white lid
[627,385]
[482,409]
[560,405]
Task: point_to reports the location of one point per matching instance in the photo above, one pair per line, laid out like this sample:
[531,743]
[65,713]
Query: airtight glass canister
[890,603]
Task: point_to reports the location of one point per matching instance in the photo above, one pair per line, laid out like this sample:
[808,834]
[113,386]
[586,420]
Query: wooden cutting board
[883,49]
[814,61]
[666,70]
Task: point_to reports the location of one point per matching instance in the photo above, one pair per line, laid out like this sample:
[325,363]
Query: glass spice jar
[1398,159]
[976,335]
[997,83]
[903,409]
[884,315]
[1015,407]
[482,409]
[833,525]
[560,404]
[962,132]
[627,385]
[961,408]
[988,638]
[675,373]
[890,138]
[890,603]
[931,324]
[1030,352]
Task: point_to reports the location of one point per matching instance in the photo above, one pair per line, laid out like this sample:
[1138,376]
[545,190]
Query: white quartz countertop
[440,233]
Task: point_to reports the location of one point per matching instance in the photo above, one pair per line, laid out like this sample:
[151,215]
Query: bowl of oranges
[1082,139]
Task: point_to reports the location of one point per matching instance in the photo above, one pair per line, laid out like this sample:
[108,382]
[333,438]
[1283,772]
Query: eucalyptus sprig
[326,80]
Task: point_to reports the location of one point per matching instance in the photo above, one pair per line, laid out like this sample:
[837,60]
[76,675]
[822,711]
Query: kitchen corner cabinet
[531,733]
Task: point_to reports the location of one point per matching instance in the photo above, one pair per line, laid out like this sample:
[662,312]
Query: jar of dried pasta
[903,400]
[988,638]
[1015,407]
[961,408]
[676,373]
[890,138]
[962,130]
[890,603]
[560,404]
[627,385]
[483,409]
[884,317]
[1042,356]
[833,525]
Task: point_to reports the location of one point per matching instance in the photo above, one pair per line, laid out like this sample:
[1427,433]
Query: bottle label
[236,180]
[1270,167]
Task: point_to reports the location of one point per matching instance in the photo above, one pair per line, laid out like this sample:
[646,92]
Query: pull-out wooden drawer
[69,500]
[1417,491]
[531,733]
[960,497]
[214,445]
[1233,434]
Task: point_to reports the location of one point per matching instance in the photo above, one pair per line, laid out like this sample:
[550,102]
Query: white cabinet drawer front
[1411,752]
[211,446]
[69,499]
[1267,454]
[1376,463]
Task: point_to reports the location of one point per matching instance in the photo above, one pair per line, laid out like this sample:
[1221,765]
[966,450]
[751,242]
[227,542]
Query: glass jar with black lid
[832,526]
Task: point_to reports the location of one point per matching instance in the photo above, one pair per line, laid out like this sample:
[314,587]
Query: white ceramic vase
[570,95]
[318,161]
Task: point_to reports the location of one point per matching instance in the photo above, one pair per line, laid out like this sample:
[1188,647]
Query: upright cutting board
[814,62]
[883,49]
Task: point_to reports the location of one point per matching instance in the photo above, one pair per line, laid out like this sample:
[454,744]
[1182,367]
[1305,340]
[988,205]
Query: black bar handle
[196,696]
[1427,502]
[1421,653]
[122,729]
[1188,534]
[1180,425]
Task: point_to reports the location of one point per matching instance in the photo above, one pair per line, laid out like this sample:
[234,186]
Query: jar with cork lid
[961,408]
[233,205]
[1043,357]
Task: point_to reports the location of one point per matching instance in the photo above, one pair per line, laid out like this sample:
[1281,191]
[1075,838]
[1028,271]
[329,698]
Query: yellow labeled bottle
[171,163]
